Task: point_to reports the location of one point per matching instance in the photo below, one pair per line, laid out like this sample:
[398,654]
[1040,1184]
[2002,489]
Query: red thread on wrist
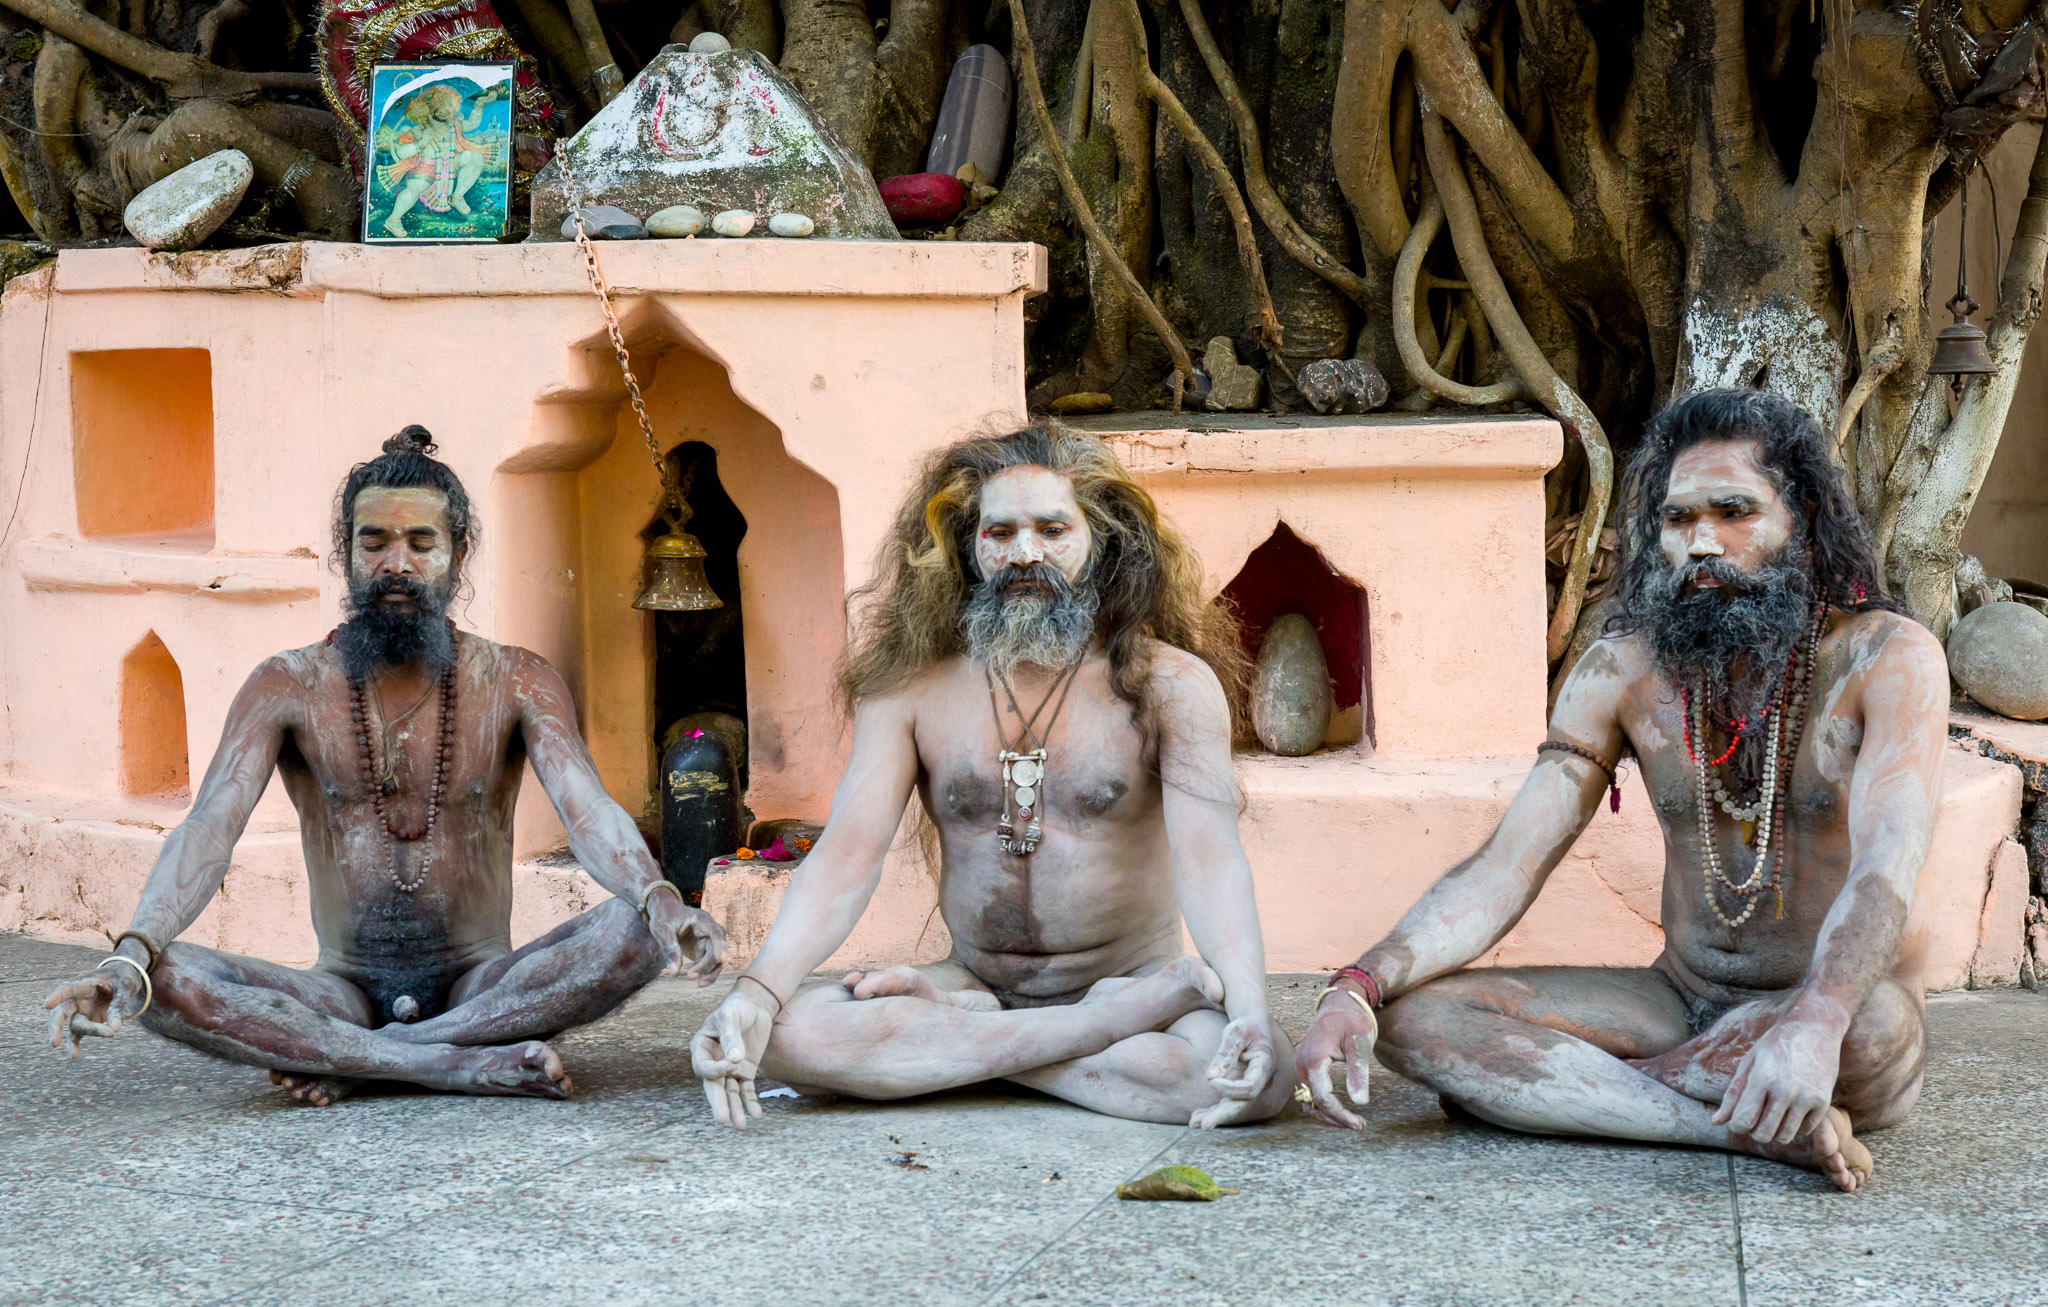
[1362,978]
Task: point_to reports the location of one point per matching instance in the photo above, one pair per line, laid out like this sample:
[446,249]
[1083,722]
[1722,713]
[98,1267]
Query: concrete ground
[147,1173]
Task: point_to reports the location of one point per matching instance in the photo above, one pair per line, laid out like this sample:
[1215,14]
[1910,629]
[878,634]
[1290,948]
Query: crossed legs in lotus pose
[315,1030]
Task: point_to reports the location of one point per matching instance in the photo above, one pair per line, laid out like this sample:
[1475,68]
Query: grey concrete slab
[1414,1210]
[108,1247]
[118,1185]
[25,959]
[1957,1209]
[129,1081]
[394,1148]
[817,1203]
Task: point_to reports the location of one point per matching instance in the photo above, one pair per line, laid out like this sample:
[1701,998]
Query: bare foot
[1832,1149]
[1182,986]
[530,1068]
[320,1091]
[460,206]
[1838,1154]
[909,982]
[1196,975]
[395,227]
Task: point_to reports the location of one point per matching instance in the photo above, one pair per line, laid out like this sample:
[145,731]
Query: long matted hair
[1792,451]
[1148,580]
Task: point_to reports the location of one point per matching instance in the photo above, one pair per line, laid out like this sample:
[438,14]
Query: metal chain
[674,506]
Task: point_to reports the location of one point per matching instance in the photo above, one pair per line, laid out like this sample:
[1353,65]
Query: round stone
[1342,386]
[1025,772]
[1999,654]
[709,43]
[189,205]
[676,220]
[1291,694]
[1026,796]
[604,222]
[733,222]
[791,224]
[1024,814]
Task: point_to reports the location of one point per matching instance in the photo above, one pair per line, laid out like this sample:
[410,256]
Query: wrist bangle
[1362,978]
[767,989]
[148,945]
[648,893]
[1371,1018]
[148,989]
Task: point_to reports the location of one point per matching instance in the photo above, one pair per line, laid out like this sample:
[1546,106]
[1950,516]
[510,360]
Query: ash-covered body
[1029,671]
[1784,1015]
[401,743]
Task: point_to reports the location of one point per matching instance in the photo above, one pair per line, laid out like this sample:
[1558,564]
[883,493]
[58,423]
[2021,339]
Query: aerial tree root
[1183,364]
[1306,250]
[183,76]
[1219,173]
[1520,347]
[1407,272]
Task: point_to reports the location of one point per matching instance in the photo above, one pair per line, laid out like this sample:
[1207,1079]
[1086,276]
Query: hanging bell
[1959,347]
[675,577]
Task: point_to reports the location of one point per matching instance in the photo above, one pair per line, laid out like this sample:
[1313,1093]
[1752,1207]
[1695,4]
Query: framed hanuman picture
[439,165]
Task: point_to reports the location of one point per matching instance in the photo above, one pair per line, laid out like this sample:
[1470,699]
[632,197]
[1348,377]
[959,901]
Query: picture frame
[438,156]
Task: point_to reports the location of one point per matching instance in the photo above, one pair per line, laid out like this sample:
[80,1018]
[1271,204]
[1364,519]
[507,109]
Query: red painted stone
[923,197]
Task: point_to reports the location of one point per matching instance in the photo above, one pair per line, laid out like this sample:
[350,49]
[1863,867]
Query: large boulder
[1999,654]
[716,132]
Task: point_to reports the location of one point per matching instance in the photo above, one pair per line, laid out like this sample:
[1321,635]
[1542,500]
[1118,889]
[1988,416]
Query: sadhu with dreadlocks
[1035,661]
[1789,723]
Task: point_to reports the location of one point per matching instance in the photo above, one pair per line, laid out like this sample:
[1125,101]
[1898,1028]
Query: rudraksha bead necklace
[1787,724]
[383,787]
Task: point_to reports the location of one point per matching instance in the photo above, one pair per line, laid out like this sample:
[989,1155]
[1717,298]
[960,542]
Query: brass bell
[1959,347]
[675,577]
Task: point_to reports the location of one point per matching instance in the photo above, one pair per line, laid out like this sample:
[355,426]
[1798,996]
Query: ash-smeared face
[1034,603]
[1737,586]
[402,572]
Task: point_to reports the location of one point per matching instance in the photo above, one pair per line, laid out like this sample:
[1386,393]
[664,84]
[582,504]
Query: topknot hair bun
[415,439]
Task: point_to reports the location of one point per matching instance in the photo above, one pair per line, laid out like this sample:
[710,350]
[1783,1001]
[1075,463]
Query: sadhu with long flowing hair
[1035,660]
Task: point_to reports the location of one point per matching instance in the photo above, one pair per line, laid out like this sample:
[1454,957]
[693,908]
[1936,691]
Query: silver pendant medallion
[1022,773]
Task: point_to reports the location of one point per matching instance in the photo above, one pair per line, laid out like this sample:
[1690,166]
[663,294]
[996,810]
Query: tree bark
[1949,469]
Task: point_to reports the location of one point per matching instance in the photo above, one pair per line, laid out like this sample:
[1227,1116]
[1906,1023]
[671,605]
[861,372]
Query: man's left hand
[1240,1071]
[1785,1083]
[692,942]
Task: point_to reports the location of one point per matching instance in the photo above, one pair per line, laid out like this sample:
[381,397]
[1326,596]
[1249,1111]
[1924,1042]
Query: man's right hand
[727,1055]
[96,1003]
[1343,1031]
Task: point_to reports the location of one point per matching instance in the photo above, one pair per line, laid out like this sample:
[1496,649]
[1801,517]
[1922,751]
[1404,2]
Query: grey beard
[1698,636]
[374,637]
[1009,631]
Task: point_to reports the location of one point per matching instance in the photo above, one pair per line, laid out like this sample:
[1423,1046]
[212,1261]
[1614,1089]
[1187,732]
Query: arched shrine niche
[154,756]
[1287,574]
[577,506]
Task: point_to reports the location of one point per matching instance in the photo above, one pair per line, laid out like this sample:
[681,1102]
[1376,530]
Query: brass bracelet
[147,943]
[148,989]
[648,893]
[1372,1018]
[1351,993]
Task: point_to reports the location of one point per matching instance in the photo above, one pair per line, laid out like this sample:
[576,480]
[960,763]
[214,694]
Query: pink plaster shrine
[820,373]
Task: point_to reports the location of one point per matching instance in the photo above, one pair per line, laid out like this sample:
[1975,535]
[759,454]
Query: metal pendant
[1022,774]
